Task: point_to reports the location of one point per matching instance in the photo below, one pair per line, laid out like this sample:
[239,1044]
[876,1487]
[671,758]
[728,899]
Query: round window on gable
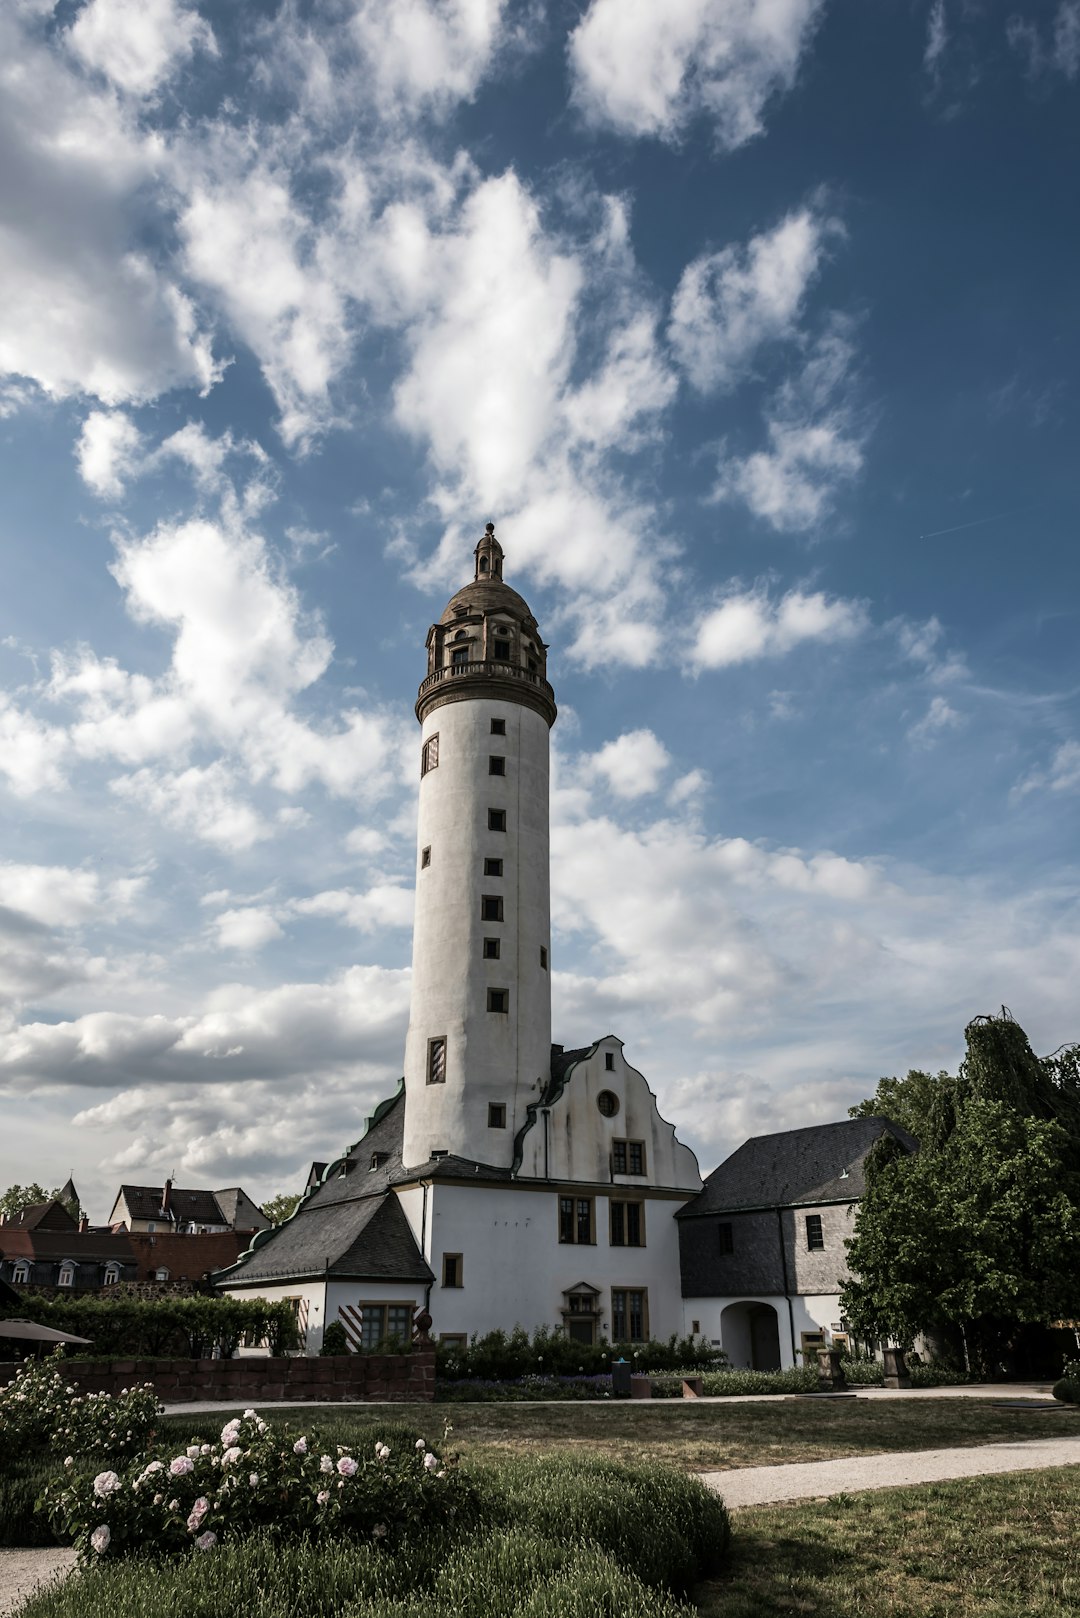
[608,1102]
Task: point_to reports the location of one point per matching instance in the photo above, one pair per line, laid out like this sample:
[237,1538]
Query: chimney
[166,1196]
[84,1224]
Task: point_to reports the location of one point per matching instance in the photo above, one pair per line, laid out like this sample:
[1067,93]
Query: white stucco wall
[515,1270]
[490,1056]
[576,1142]
[816,1313]
[325,1299]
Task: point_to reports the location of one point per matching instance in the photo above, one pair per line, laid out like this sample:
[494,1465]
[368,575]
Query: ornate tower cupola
[489,555]
[478,1048]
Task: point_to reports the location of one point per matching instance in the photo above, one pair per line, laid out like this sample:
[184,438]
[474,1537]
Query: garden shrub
[1068,1389]
[501,1356]
[133,1328]
[41,1409]
[335,1339]
[252,1479]
[802,1379]
[668,1527]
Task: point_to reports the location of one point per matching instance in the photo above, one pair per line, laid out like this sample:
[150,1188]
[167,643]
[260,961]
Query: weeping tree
[979,1230]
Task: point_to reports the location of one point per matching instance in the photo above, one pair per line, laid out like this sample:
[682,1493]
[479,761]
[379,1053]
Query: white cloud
[937,719]
[240,1033]
[814,444]
[63,896]
[108,452]
[747,626]
[728,304]
[384,904]
[86,308]
[31,751]
[1059,52]
[247,929]
[201,800]
[648,67]
[138,44]
[1062,775]
[937,38]
[633,765]
[426,52]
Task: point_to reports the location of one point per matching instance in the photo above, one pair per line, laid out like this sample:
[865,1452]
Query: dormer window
[20,1272]
[112,1274]
[66,1278]
[378,1159]
[161,1274]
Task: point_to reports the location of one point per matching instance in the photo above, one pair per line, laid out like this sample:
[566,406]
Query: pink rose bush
[252,1479]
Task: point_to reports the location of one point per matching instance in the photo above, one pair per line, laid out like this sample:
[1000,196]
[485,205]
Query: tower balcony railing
[488,668]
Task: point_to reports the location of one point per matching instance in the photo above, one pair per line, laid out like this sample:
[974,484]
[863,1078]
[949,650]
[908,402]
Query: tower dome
[478,1048]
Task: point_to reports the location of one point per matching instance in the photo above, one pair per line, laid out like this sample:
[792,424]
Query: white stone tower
[478,1048]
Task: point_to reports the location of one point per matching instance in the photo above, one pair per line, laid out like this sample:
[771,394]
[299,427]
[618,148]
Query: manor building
[509,1181]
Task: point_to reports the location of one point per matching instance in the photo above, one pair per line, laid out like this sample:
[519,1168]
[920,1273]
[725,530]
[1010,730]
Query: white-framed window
[20,1272]
[161,1273]
[112,1274]
[66,1278]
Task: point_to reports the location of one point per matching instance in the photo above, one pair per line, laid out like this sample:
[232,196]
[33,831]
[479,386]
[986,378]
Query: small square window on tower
[609,1061]
[496,765]
[493,868]
[452,1270]
[491,949]
[498,727]
[496,1114]
[496,820]
[491,907]
[543,957]
[425,857]
[498,1000]
[429,755]
[436,1061]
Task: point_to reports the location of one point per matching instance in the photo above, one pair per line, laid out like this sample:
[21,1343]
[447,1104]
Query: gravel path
[22,1572]
[809,1480]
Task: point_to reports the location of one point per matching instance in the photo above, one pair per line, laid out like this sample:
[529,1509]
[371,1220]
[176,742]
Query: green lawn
[996,1547]
[696,1437]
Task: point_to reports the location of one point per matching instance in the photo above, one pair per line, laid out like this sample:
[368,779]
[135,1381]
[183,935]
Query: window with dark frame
[815,1236]
[498,727]
[491,907]
[496,1114]
[496,764]
[543,957]
[628,1156]
[436,1061]
[627,1224]
[501,650]
[425,857]
[629,1315]
[608,1103]
[459,657]
[725,1240]
[493,867]
[576,1224]
[496,820]
[429,755]
[609,1061]
[491,949]
[378,1159]
[452,1268]
[498,1000]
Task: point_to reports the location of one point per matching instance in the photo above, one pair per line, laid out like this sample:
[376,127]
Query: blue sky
[752,326]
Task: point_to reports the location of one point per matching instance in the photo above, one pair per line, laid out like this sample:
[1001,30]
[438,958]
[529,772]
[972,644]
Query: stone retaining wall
[257,1379]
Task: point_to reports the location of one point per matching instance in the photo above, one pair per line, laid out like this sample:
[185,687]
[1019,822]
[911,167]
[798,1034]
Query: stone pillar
[830,1372]
[896,1371]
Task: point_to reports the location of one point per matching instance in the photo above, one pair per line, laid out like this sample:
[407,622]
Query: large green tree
[18,1197]
[280,1207]
[980,1229]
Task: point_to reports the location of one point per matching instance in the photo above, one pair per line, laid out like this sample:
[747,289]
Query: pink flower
[430,1462]
[322,1497]
[231,1455]
[207,1541]
[181,1466]
[325,1464]
[300,1447]
[420,1444]
[347,1467]
[379,1531]
[100,1538]
[106,1483]
[254,1480]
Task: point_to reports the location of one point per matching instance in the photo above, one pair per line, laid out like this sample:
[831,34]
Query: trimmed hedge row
[151,1328]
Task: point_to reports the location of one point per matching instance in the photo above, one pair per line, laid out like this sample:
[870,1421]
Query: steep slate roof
[239,1210]
[84,1246]
[144,1202]
[50,1215]
[187,1258]
[351,1225]
[795,1168]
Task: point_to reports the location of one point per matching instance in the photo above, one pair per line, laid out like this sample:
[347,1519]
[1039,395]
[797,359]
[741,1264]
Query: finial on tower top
[489,555]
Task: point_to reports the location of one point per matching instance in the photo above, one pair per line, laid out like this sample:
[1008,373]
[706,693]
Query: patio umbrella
[28,1331]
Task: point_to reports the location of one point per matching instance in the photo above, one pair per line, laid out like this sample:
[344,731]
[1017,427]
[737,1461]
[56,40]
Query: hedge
[149,1328]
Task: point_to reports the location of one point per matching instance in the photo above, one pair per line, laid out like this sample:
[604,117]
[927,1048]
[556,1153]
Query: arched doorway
[750,1336]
